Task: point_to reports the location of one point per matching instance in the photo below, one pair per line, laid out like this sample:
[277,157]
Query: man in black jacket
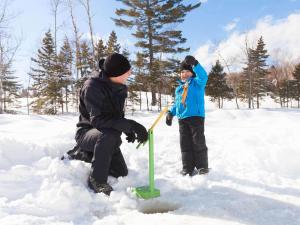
[102,122]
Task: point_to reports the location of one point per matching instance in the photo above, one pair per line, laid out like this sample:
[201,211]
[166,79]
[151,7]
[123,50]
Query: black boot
[202,171]
[78,153]
[185,172]
[99,188]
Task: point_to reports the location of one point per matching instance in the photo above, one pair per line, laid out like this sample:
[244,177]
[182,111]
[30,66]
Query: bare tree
[232,79]
[248,72]
[86,5]
[54,9]
[77,47]
[281,75]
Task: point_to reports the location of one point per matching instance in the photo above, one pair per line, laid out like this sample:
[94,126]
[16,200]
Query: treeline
[256,81]
[65,60]
[59,69]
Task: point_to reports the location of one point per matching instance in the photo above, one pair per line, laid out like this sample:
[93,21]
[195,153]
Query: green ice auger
[148,192]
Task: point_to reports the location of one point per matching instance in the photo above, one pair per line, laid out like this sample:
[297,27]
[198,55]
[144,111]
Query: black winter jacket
[102,105]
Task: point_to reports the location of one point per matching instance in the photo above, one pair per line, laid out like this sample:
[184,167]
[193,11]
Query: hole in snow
[154,206]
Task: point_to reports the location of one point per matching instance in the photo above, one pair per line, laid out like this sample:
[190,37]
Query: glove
[190,60]
[169,118]
[130,137]
[140,131]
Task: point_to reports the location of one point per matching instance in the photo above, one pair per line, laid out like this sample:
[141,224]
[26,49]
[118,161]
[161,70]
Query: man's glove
[190,60]
[169,118]
[140,131]
[130,137]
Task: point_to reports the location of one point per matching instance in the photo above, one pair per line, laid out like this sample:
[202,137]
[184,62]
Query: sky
[216,30]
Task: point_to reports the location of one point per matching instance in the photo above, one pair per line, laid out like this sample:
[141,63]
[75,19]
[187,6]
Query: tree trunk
[236,102]
[250,92]
[159,106]
[4,102]
[298,96]
[77,53]
[62,102]
[140,101]
[147,101]
[1,93]
[66,88]
[151,57]
[86,5]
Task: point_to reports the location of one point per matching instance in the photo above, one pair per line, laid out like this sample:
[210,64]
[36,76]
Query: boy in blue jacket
[189,109]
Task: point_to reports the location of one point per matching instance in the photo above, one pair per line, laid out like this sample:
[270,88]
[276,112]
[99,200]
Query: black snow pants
[192,143]
[105,145]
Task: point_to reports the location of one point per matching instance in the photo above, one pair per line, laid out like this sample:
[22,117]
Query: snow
[254,156]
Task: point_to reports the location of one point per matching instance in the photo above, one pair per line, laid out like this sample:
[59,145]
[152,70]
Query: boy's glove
[190,60]
[140,131]
[130,137]
[169,118]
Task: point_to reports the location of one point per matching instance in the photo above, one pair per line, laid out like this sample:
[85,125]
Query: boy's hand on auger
[190,60]
[169,119]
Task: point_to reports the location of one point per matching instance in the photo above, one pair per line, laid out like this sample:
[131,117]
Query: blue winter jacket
[194,103]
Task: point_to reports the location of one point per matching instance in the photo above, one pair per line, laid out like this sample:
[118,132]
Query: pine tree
[86,63]
[153,20]
[126,52]
[10,86]
[65,59]
[112,44]
[140,78]
[248,78]
[260,71]
[255,73]
[100,50]
[216,86]
[296,75]
[45,77]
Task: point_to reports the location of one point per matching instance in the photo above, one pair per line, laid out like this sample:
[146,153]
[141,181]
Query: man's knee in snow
[110,136]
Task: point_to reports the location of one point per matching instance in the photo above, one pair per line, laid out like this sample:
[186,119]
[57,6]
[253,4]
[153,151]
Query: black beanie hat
[114,65]
[184,66]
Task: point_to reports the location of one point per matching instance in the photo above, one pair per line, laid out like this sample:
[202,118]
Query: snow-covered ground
[255,176]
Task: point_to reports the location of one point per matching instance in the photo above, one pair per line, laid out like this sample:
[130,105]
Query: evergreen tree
[45,77]
[255,73]
[153,20]
[100,50]
[126,53]
[86,63]
[112,44]
[296,75]
[10,86]
[248,78]
[260,71]
[65,59]
[216,86]
[140,79]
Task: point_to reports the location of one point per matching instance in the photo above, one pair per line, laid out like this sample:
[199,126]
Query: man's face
[121,79]
[125,76]
[185,74]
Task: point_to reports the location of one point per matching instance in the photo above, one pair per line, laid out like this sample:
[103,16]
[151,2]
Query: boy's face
[185,74]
